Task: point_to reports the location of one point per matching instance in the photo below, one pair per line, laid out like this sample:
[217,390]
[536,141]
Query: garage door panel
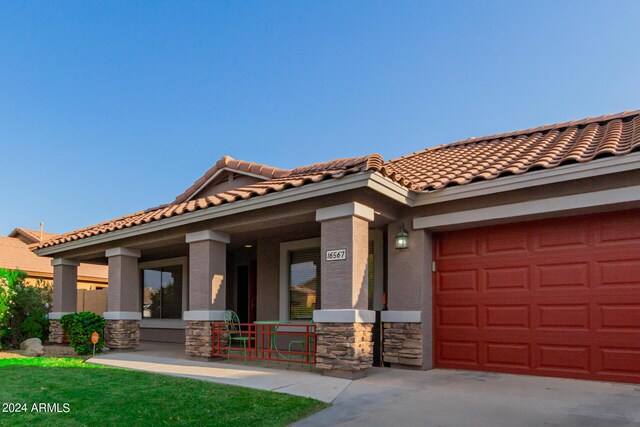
[458,281]
[620,273]
[512,316]
[618,317]
[562,275]
[507,278]
[557,237]
[563,317]
[616,361]
[555,297]
[511,240]
[507,355]
[458,316]
[563,358]
[459,353]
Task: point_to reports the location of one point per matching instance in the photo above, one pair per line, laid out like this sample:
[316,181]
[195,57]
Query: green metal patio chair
[303,343]
[235,334]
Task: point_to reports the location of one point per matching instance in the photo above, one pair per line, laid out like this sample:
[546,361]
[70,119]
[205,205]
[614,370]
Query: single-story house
[517,253]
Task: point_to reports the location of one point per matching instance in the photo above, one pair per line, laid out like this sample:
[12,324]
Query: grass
[103,396]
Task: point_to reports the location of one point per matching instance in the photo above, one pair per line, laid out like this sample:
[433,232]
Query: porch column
[207,288]
[123,299]
[65,294]
[407,333]
[343,323]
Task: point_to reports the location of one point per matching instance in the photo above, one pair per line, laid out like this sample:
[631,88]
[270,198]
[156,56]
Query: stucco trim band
[400,316]
[57,315]
[64,261]
[122,252]
[525,209]
[122,315]
[344,316]
[205,235]
[345,210]
[211,315]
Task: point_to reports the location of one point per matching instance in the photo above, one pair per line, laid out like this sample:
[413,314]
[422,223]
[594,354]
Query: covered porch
[320,263]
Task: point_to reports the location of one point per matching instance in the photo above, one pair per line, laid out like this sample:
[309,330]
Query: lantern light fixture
[402,238]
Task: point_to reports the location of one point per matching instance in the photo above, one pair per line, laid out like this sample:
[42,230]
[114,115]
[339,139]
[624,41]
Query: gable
[226,181]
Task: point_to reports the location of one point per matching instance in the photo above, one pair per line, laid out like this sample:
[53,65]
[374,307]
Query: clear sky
[107,108]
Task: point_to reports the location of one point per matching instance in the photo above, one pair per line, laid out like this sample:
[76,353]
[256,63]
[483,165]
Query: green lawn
[102,396]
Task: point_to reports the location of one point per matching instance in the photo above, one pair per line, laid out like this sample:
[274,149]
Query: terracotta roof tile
[267,172]
[280,181]
[458,163]
[518,152]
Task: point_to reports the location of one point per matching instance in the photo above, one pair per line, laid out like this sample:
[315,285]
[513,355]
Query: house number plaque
[337,255]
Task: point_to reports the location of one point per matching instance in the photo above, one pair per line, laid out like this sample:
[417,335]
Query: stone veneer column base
[56,334]
[344,349]
[122,334]
[402,343]
[198,338]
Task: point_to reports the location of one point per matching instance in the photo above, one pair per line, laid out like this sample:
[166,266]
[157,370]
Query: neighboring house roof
[16,254]
[31,236]
[458,163]
[545,147]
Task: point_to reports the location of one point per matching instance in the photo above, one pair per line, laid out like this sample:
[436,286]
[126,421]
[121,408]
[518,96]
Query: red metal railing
[277,342]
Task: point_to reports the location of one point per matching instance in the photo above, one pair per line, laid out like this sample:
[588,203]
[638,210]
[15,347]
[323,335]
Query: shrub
[23,309]
[79,326]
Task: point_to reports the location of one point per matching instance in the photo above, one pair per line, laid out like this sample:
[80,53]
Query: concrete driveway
[391,397]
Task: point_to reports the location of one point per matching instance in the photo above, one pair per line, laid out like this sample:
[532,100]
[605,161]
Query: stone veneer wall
[56,334]
[122,334]
[402,343]
[344,346]
[198,339]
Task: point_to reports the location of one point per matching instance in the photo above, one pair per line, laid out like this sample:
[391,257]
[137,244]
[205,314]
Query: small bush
[79,326]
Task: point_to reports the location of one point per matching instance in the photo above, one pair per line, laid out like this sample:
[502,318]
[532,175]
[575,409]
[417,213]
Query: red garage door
[556,297]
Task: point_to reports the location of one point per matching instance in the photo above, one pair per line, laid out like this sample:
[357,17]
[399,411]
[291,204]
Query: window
[304,283]
[162,293]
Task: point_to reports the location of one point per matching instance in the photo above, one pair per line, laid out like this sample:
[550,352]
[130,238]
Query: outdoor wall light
[402,238]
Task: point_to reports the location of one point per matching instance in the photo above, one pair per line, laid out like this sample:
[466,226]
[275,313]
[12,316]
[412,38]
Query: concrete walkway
[391,397]
[298,383]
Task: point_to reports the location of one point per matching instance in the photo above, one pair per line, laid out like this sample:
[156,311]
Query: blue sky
[107,108]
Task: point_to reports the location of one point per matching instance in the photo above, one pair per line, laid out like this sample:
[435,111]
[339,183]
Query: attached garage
[557,297]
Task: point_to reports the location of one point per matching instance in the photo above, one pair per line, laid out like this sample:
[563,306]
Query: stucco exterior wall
[124,280]
[268,279]
[344,283]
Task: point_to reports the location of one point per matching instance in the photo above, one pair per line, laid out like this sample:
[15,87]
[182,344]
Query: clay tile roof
[515,153]
[267,172]
[33,236]
[458,163]
[14,253]
[280,180]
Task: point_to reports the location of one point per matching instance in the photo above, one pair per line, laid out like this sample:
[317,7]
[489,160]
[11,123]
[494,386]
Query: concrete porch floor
[170,359]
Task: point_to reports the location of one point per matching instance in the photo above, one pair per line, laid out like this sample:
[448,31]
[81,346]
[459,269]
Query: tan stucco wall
[207,275]
[94,301]
[345,283]
[65,290]
[124,284]
[268,279]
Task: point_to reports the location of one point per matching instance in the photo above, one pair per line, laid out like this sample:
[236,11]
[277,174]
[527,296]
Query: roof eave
[565,173]
[369,179]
